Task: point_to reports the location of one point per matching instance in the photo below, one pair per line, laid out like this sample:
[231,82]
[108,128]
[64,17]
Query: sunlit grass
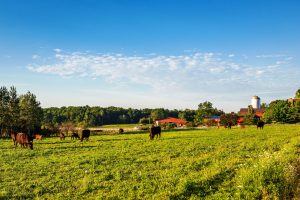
[212,164]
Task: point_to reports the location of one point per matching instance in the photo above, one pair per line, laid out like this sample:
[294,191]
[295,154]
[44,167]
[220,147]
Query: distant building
[178,122]
[258,112]
[255,103]
[215,118]
[294,101]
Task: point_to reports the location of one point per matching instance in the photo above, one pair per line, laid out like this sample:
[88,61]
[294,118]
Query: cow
[62,136]
[155,130]
[24,140]
[74,136]
[229,124]
[121,130]
[13,136]
[38,136]
[260,124]
[85,134]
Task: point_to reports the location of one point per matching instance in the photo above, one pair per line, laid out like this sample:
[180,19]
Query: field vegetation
[187,164]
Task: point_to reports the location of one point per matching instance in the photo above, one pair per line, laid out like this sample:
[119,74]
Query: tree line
[19,112]
[24,113]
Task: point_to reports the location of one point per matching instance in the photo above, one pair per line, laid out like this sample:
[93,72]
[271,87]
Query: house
[259,112]
[215,118]
[212,120]
[178,122]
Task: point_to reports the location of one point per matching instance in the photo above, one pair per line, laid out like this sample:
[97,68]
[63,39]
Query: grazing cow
[85,134]
[62,136]
[24,140]
[38,136]
[121,130]
[229,124]
[13,136]
[260,124]
[156,130]
[74,136]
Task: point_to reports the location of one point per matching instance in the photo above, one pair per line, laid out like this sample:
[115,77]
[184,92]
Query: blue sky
[172,54]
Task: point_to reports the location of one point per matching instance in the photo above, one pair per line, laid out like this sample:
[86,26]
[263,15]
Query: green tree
[187,114]
[145,120]
[157,114]
[264,106]
[297,94]
[250,117]
[229,117]
[13,110]
[281,111]
[30,112]
[4,112]
[206,109]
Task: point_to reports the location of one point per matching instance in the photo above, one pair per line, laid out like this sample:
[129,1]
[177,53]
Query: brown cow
[156,130]
[38,136]
[62,136]
[24,140]
[13,136]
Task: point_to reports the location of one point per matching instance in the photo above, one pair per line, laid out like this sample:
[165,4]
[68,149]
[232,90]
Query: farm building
[243,112]
[215,119]
[178,122]
[212,120]
[258,112]
[294,101]
[255,103]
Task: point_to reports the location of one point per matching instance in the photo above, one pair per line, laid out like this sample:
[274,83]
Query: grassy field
[119,126]
[195,164]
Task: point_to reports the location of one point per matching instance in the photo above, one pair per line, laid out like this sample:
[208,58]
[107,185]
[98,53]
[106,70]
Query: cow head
[30,145]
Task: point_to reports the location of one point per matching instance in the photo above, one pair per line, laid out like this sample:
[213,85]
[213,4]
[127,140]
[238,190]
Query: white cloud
[231,55]
[157,71]
[57,50]
[271,56]
[34,57]
[192,75]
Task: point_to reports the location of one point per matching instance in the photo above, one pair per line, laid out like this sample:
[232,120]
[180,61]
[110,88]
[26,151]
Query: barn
[178,122]
[243,112]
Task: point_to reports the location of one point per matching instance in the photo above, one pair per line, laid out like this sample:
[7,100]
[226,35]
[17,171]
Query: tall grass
[195,164]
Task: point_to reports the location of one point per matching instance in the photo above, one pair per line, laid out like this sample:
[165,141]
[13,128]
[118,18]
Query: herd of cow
[26,140]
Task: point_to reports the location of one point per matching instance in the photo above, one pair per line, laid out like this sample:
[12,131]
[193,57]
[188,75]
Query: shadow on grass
[7,197]
[205,188]
[75,147]
[118,139]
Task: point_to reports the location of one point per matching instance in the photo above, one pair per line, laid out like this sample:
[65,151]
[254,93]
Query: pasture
[186,164]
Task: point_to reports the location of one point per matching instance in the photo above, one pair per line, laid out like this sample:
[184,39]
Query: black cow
[229,124]
[85,134]
[260,124]
[24,140]
[74,136]
[156,130]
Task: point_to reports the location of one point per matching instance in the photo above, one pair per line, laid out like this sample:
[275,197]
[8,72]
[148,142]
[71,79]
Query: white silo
[255,102]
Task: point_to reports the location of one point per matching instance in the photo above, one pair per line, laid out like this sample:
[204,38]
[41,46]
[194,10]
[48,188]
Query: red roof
[258,112]
[172,120]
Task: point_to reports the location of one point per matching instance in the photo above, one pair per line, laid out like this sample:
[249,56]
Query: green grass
[119,126]
[195,164]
